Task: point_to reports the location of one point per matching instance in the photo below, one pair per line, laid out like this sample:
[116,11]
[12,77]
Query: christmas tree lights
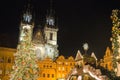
[115,36]
[25,67]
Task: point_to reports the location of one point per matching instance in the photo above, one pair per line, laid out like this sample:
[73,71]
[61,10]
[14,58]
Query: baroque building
[6,62]
[55,70]
[49,69]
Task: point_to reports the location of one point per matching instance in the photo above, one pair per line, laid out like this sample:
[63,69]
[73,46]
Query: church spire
[51,8]
[27,14]
[50,18]
[27,25]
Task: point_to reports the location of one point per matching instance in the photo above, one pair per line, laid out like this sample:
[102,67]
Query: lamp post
[85,47]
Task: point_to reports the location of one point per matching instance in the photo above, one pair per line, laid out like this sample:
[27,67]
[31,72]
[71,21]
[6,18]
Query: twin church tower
[44,41]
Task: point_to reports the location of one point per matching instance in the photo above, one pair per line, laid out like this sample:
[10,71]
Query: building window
[51,36]
[52,75]
[50,66]
[48,75]
[43,66]
[9,60]
[59,68]
[63,68]
[44,75]
[66,63]
[1,60]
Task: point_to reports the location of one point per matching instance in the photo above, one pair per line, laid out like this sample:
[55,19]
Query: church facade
[44,40]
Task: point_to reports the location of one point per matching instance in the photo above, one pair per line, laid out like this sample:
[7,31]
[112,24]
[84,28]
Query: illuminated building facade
[49,69]
[55,70]
[64,66]
[6,62]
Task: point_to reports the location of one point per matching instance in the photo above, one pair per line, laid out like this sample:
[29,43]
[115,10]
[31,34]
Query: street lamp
[85,47]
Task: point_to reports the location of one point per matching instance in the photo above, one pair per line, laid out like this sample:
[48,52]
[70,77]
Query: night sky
[79,21]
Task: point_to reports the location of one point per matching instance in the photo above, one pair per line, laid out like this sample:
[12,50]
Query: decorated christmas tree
[25,67]
[115,37]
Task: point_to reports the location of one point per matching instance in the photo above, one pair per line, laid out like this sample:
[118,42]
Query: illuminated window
[59,62]
[0,71]
[59,68]
[44,75]
[66,63]
[51,36]
[63,68]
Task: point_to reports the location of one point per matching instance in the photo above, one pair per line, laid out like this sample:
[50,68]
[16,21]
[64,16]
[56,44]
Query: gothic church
[44,40]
